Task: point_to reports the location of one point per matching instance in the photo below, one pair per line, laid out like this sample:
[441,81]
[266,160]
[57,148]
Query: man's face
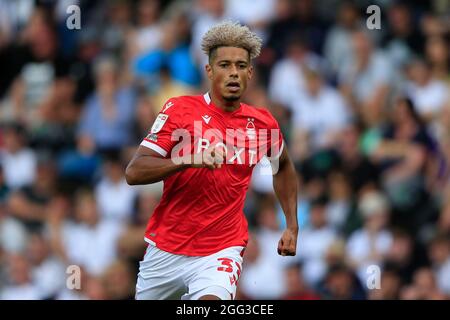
[229,70]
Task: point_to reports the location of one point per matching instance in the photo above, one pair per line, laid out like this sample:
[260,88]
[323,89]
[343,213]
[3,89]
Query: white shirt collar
[207,98]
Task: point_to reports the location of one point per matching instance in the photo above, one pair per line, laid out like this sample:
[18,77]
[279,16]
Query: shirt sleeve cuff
[154,147]
[275,157]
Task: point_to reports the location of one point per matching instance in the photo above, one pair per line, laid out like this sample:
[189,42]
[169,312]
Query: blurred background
[365,114]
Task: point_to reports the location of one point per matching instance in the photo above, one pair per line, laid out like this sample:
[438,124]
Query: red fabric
[201,210]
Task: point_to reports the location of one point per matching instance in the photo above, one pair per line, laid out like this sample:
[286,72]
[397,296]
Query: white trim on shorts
[153,243]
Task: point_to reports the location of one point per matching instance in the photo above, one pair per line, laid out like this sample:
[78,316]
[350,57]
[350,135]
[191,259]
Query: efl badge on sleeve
[159,123]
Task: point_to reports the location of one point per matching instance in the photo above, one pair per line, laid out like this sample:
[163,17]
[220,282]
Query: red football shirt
[201,210]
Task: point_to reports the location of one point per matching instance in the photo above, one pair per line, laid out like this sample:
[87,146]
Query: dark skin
[229,70]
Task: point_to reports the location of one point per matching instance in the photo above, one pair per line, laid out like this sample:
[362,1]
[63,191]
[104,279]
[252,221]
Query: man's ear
[250,72]
[209,71]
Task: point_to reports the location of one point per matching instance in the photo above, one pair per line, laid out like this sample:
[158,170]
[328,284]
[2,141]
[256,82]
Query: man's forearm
[286,187]
[148,169]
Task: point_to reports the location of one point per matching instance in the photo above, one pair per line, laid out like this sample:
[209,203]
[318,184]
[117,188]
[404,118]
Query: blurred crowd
[365,114]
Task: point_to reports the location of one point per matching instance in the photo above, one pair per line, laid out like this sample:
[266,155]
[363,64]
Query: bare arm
[286,187]
[148,166]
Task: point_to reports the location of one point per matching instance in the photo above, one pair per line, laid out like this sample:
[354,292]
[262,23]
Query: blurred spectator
[340,203]
[114,197]
[13,17]
[405,256]
[117,26]
[13,235]
[254,14]
[424,287]
[4,190]
[278,32]
[390,286]
[318,114]
[287,76]
[439,253]
[303,207]
[433,25]
[441,131]
[79,165]
[296,288]
[91,288]
[403,154]
[147,34]
[48,273]
[438,56]
[338,41]
[262,262]
[314,242]
[427,93]
[441,226]
[403,40]
[365,77]
[361,171]
[130,243]
[28,204]
[88,241]
[336,255]
[309,23]
[60,115]
[30,69]
[341,284]
[108,114]
[167,88]
[144,115]
[370,244]
[206,13]
[87,51]
[119,281]
[18,161]
[173,52]
[20,286]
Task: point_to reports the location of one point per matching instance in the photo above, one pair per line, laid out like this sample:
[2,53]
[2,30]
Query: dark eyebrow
[229,61]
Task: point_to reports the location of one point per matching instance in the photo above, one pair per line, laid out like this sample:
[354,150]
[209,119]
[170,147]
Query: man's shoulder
[181,104]
[187,99]
[261,113]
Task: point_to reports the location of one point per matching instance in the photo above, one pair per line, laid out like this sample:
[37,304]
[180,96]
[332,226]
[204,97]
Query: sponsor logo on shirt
[159,123]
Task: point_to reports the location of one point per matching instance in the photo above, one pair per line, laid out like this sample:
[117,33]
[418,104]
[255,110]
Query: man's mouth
[233,86]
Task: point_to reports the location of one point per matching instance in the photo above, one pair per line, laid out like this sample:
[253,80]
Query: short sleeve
[159,137]
[275,139]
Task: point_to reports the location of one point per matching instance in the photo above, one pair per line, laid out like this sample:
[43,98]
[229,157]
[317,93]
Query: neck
[219,101]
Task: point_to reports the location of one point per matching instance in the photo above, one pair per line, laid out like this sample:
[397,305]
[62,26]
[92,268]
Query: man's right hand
[211,158]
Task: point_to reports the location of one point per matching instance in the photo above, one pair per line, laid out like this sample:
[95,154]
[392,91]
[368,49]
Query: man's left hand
[287,246]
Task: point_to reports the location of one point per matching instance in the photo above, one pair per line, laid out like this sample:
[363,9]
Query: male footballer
[204,148]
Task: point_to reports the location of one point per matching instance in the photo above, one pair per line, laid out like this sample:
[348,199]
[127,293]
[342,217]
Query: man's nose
[234,71]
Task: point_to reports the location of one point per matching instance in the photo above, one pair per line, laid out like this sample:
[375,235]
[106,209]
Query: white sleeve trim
[154,147]
[279,152]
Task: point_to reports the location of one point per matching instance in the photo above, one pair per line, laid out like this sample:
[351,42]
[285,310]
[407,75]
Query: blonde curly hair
[231,34]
